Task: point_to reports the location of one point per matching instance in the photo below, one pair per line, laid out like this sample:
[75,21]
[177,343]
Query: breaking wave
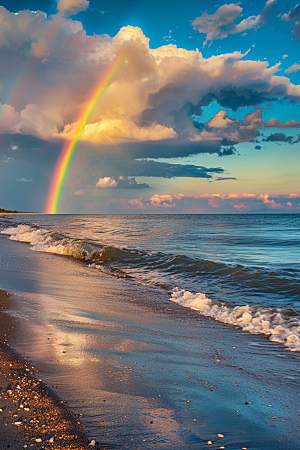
[281,326]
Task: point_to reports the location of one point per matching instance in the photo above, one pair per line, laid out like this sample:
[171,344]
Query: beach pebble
[92,443]
[209,443]
[222,447]
[51,439]
[17,423]
[220,435]
[38,440]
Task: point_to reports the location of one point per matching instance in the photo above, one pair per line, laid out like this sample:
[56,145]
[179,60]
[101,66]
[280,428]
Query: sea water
[242,270]
[163,331]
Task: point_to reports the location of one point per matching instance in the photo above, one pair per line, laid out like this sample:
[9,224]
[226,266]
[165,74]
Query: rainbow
[69,149]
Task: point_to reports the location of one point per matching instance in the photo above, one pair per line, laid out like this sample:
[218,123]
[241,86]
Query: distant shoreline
[4,211]
[8,211]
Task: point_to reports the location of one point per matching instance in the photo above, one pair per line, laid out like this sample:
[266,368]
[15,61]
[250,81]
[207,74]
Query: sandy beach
[32,416]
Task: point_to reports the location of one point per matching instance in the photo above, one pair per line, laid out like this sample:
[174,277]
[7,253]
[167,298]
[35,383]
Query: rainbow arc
[69,149]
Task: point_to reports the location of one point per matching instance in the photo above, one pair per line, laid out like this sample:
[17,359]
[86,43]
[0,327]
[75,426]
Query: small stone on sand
[220,435]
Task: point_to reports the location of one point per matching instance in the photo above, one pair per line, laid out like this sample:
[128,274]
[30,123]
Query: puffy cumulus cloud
[220,24]
[294,16]
[117,131]
[106,182]
[293,68]
[275,123]
[71,7]
[180,203]
[121,182]
[233,131]
[50,65]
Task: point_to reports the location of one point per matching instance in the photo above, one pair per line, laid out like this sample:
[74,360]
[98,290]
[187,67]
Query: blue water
[236,259]
[95,305]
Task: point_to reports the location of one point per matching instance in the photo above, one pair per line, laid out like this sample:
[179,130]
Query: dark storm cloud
[169,149]
[166,170]
[227,151]
[225,178]
[257,147]
[114,169]
[235,98]
[281,137]
[130,183]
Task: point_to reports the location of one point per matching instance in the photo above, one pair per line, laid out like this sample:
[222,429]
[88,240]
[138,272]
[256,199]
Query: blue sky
[204,117]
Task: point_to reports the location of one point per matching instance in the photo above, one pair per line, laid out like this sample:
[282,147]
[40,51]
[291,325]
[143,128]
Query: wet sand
[31,415]
[146,373]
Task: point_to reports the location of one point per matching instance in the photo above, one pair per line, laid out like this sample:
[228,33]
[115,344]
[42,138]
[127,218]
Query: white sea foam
[43,240]
[279,328]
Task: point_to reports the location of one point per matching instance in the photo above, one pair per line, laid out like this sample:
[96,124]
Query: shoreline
[143,370]
[31,414]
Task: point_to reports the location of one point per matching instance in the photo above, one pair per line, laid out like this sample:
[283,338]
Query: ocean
[139,293]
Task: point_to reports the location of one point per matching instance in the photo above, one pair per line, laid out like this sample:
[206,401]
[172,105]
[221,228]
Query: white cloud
[292,69]
[139,104]
[106,182]
[220,24]
[79,193]
[71,7]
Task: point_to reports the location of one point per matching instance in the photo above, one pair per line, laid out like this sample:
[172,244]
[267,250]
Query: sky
[203,116]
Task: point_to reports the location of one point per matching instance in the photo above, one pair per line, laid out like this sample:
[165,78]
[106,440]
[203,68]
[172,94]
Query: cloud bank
[209,203]
[152,98]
